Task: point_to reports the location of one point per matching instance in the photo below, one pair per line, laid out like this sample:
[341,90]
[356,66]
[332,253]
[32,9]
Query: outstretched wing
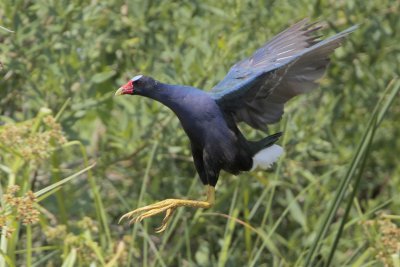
[256,88]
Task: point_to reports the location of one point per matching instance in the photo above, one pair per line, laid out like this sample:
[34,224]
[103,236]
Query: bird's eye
[137,82]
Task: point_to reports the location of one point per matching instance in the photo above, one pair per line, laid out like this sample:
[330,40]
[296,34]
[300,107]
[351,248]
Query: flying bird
[254,92]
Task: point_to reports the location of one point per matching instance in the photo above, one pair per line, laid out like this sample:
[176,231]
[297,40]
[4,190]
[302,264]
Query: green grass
[326,203]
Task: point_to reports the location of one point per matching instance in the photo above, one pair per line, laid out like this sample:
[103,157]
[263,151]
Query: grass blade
[28,245]
[100,211]
[70,260]
[375,119]
[47,191]
[394,86]
[229,230]
[5,29]
[353,195]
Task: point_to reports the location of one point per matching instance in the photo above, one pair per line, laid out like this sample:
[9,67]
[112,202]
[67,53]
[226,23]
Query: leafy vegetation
[74,158]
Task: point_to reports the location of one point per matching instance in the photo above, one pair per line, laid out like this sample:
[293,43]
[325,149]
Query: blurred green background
[71,56]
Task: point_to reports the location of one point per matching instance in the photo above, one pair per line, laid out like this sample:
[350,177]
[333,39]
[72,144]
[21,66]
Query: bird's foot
[168,206]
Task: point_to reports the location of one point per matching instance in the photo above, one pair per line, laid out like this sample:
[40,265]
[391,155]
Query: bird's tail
[265,152]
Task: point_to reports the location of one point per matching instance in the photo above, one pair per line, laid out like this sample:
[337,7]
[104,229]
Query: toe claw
[125,216]
[164,224]
[122,218]
[161,228]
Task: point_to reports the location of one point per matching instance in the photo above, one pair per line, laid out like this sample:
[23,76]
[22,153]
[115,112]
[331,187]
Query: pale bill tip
[119,91]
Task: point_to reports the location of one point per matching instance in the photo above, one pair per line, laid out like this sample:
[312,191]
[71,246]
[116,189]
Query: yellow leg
[169,206]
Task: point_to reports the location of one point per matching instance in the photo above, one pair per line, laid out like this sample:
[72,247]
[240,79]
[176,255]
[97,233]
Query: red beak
[125,89]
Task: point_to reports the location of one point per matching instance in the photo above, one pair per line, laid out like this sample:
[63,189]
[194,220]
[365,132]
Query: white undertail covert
[264,158]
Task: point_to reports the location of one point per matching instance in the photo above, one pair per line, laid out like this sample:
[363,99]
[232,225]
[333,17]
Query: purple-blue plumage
[215,140]
[254,92]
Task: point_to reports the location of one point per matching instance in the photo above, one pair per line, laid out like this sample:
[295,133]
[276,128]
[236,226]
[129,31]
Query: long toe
[127,215]
[168,206]
[164,224]
[150,209]
[147,214]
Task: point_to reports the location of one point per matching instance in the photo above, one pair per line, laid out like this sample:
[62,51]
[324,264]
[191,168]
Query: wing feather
[255,89]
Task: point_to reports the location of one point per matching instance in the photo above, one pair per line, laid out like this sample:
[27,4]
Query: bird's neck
[169,95]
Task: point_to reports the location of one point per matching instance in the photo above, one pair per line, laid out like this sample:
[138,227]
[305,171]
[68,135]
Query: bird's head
[137,85]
